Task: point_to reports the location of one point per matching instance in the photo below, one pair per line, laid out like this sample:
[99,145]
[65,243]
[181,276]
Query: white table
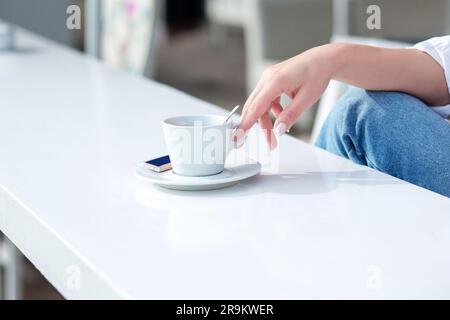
[71,131]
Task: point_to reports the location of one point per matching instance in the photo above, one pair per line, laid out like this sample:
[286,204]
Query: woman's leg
[392,132]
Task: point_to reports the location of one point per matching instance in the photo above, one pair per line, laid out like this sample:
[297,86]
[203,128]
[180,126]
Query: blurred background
[212,49]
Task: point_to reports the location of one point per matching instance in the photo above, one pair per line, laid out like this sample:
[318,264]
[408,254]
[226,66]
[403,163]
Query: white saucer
[231,175]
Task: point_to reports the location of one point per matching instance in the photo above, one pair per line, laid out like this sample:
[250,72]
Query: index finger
[260,104]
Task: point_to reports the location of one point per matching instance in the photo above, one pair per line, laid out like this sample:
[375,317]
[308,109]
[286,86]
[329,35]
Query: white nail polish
[280,129]
[240,142]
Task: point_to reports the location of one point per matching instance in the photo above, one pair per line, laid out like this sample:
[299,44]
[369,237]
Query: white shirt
[439,49]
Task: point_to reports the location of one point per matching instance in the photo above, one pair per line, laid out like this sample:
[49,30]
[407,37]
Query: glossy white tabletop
[71,131]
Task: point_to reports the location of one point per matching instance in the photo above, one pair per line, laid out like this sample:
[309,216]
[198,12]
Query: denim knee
[339,133]
[362,119]
[366,124]
[392,132]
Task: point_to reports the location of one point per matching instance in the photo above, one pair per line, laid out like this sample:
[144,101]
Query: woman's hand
[303,78]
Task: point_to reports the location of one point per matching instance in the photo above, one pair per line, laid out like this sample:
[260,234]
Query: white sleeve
[439,49]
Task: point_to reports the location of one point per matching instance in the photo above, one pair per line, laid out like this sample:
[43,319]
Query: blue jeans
[391,132]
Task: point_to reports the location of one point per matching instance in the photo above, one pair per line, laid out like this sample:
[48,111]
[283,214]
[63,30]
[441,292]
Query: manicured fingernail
[238,134]
[280,129]
[238,138]
[239,143]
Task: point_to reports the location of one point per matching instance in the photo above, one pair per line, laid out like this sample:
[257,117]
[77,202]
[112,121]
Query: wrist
[335,58]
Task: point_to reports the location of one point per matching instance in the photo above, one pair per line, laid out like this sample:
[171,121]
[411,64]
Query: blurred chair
[6,36]
[11,267]
[222,14]
[336,89]
[46,17]
[226,12]
[128,34]
[279,29]
[402,20]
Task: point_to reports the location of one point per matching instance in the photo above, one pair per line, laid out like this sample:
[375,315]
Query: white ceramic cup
[198,145]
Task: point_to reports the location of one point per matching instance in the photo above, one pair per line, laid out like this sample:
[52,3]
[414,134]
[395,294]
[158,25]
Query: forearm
[406,70]
[305,77]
